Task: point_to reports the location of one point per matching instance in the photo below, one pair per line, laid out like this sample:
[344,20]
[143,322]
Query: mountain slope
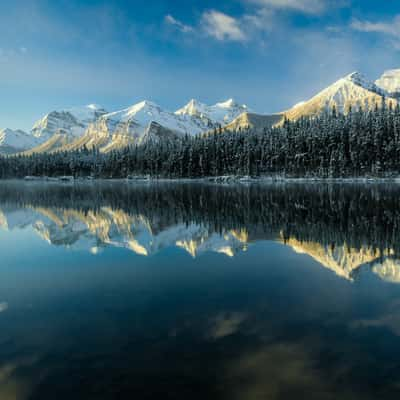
[351,91]
[208,117]
[91,126]
[255,122]
[156,133]
[131,125]
[14,141]
[73,121]
[56,141]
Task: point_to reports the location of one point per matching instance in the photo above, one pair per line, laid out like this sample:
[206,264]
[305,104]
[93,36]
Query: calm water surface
[195,291]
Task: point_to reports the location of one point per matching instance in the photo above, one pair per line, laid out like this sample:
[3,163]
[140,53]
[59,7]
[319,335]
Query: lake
[118,290]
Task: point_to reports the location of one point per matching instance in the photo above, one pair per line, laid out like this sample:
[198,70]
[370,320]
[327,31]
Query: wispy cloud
[222,26]
[391,29]
[169,19]
[303,6]
[213,23]
[260,20]
[261,16]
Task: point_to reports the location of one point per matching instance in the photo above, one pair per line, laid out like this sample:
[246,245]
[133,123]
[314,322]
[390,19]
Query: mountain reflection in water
[119,290]
[344,228]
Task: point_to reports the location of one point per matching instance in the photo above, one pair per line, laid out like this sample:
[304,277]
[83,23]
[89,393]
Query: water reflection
[199,291]
[343,227]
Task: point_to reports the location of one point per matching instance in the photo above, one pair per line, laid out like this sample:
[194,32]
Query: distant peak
[144,103]
[394,71]
[8,131]
[192,107]
[227,104]
[360,80]
[94,106]
[195,103]
[356,77]
[138,107]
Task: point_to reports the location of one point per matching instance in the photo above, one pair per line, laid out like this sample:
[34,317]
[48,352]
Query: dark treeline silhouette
[333,145]
[330,214]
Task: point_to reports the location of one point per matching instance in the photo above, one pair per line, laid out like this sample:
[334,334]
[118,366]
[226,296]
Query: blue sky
[269,54]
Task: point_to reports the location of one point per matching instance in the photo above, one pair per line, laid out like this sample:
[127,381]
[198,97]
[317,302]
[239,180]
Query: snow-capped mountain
[72,122]
[255,122]
[146,119]
[390,82]
[128,126]
[352,91]
[92,126]
[208,117]
[15,141]
[155,133]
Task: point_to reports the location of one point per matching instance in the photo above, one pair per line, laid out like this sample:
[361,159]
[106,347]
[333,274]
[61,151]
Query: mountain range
[93,126]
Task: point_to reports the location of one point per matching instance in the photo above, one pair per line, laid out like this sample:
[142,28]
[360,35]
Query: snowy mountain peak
[230,103]
[390,81]
[194,107]
[87,114]
[145,103]
[144,107]
[94,106]
[73,121]
[360,80]
[355,76]
[136,124]
[219,114]
[352,91]
[12,141]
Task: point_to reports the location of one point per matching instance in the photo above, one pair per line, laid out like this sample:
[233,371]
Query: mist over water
[119,290]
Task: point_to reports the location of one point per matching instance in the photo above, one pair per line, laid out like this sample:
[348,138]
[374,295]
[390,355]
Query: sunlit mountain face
[343,228]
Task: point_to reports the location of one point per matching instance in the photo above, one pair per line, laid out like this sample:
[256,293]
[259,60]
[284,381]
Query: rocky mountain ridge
[92,126]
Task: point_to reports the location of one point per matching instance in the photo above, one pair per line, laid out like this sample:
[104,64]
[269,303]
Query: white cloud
[303,6]
[222,26]
[391,28]
[261,20]
[169,19]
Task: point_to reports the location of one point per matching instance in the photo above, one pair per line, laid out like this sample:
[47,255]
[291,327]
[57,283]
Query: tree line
[332,145]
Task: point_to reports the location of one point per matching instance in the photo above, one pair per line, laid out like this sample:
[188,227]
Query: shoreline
[223,180]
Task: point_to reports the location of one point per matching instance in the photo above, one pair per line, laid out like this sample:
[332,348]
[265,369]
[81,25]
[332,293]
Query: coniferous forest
[333,145]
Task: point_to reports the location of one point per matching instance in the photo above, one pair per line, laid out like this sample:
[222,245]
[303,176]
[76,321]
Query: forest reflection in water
[184,290]
[343,227]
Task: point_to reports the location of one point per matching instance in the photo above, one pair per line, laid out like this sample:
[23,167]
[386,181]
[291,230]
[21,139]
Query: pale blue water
[192,291]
